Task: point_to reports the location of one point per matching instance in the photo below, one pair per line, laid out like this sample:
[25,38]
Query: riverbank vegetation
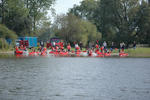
[23,18]
[105,20]
[117,20]
[71,28]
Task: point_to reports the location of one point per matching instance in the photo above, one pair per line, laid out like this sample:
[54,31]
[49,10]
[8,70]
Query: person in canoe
[77,47]
[69,47]
[97,48]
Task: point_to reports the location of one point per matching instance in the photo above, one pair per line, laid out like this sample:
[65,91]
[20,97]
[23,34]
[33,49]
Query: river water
[58,78]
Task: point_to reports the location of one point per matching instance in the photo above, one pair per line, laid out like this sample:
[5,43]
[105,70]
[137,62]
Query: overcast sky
[62,6]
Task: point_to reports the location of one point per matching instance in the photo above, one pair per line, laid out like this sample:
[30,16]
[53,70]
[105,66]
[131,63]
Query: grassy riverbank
[6,51]
[139,52]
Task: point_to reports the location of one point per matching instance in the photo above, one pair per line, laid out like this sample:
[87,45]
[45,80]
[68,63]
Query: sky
[62,6]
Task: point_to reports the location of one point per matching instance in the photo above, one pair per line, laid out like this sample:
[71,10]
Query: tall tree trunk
[3,20]
[27,4]
[34,19]
[34,26]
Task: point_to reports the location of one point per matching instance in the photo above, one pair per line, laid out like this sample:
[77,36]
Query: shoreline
[6,52]
[114,55]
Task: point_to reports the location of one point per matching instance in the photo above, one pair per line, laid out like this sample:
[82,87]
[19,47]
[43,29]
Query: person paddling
[77,47]
[68,47]
[134,45]
[97,48]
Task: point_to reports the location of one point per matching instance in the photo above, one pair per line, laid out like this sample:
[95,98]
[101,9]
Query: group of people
[25,50]
[77,47]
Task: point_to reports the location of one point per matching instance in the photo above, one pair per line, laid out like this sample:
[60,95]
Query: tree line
[105,20]
[24,17]
[117,20]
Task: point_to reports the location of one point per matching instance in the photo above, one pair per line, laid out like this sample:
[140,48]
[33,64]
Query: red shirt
[97,46]
[56,47]
[17,49]
[68,47]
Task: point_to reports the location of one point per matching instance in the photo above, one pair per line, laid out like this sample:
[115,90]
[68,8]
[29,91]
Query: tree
[72,28]
[120,15]
[23,16]
[85,10]
[37,10]
[116,19]
[6,33]
[143,30]
[2,11]
[45,30]
[15,16]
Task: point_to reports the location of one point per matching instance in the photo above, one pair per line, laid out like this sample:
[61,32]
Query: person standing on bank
[81,45]
[112,46]
[134,45]
[105,46]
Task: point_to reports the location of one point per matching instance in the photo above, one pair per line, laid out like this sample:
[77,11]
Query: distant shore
[135,53]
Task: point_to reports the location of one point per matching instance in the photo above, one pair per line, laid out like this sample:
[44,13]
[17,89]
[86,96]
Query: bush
[7,33]
[4,44]
[73,29]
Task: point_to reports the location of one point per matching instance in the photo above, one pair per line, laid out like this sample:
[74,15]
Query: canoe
[123,54]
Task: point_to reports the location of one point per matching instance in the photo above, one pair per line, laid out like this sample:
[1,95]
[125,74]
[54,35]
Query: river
[64,78]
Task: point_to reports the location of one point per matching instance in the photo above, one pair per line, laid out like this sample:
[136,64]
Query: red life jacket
[77,48]
[17,49]
[53,48]
[57,48]
[61,47]
[97,46]
[90,53]
[68,47]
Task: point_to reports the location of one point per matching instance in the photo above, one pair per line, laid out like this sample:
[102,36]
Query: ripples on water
[50,78]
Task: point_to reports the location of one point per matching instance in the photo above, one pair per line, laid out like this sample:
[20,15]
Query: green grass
[139,52]
[7,50]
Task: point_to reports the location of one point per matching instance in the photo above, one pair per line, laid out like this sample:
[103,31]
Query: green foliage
[85,10]
[143,33]
[47,34]
[119,16]
[3,44]
[117,20]
[6,33]
[37,10]
[23,16]
[72,28]
[16,16]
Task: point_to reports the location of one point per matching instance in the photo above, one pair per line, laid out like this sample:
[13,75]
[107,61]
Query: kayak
[43,53]
[78,53]
[18,52]
[100,56]
[107,54]
[34,53]
[63,53]
[123,54]
[22,52]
